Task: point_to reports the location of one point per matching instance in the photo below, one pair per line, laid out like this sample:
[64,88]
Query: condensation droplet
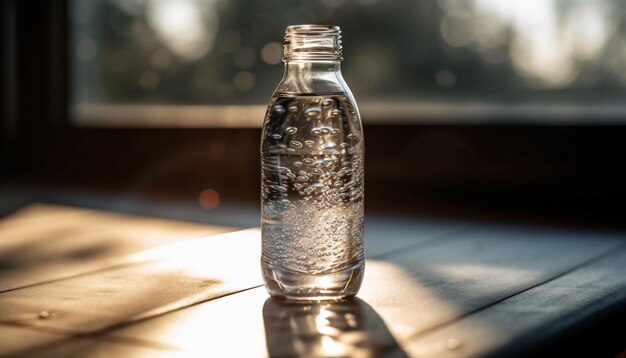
[291,130]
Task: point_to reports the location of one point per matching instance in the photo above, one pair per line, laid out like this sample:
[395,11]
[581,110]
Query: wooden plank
[47,242]
[148,284]
[523,322]
[422,289]
[100,348]
[408,294]
[15,340]
[386,235]
[232,326]
[138,278]
[249,324]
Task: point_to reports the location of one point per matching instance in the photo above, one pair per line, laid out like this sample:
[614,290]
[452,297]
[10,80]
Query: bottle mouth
[312,42]
[313,29]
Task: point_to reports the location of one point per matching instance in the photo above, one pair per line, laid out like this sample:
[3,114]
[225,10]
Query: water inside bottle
[312,193]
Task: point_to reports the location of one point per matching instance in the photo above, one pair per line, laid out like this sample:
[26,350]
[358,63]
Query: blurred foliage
[228,51]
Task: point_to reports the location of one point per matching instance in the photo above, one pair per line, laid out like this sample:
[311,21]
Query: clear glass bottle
[312,174]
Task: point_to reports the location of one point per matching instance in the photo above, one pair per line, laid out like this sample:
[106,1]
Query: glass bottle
[312,174]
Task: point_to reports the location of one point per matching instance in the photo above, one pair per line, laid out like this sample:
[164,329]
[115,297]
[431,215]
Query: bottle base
[292,285]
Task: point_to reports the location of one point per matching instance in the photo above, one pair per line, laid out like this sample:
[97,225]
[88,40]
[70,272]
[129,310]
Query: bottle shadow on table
[348,328]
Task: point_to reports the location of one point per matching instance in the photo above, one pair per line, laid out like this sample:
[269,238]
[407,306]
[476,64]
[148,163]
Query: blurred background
[481,108]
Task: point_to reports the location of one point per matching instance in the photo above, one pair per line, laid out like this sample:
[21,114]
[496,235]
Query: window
[216,62]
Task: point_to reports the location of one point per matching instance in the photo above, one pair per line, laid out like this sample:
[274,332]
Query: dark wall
[34,80]
[546,171]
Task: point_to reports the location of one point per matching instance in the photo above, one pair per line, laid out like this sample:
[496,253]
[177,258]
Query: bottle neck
[312,60]
[312,77]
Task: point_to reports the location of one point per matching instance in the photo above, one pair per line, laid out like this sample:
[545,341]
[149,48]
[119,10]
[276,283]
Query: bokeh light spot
[160,60]
[244,81]
[183,26]
[149,80]
[272,53]
[209,198]
[457,31]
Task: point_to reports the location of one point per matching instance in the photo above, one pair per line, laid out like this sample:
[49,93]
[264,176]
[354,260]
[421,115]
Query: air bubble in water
[276,136]
[314,187]
[320,211]
[277,108]
[316,131]
[279,188]
[291,130]
[312,112]
[352,136]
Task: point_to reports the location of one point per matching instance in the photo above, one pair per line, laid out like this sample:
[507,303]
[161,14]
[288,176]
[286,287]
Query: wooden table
[88,283]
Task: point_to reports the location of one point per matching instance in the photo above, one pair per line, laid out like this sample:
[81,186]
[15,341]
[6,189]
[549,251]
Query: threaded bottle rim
[312,43]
